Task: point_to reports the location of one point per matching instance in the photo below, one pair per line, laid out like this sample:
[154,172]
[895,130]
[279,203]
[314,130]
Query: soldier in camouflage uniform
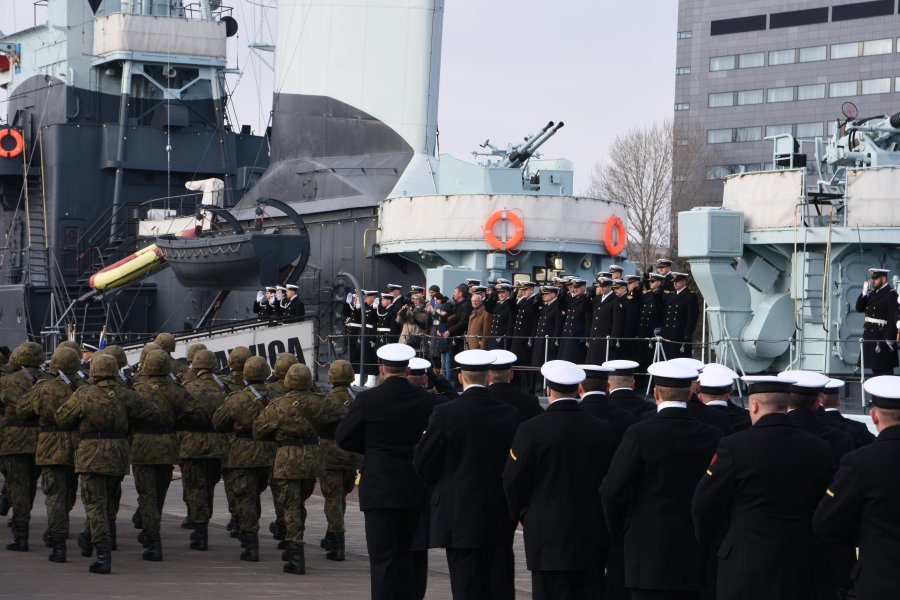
[20,440]
[202,450]
[341,465]
[55,447]
[277,389]
[292,422]
[191,374]
[154,449]
[233,377]
[248,459]
[103,413]
[166,341]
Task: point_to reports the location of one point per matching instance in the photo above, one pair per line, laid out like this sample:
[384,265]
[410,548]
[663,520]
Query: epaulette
[647,291]
[630,297]
[667,291]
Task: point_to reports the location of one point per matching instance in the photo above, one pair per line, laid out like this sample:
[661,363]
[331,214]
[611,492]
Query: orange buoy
[18,143]
[614,247]
[518,229]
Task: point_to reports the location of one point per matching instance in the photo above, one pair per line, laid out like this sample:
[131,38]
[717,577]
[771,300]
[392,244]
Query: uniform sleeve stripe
[512,454]
[708,472]
[830,493]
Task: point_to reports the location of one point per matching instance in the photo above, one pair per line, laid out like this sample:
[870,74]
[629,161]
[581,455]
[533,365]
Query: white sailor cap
[479,289]
[672,374]
[549,289]
[715,382]
[833,386]
[416,289]
[562,376]
[525,284]
[418,366]
[293,287]
[502,280]
[663,262]
[386,295]
[657,276]
[768,384]
[270,288]
[606,274]
[577,282]
[885,391]
[474,360]
[395,355]
[876,271]
[89,348]
[596,371]
[472,281]
[603,282]
[622,367]
[721,369]
[693,363]
[370,292]
[616,268]
[806,383]
[394,286]
[503,359]
[281,288]
[503,287]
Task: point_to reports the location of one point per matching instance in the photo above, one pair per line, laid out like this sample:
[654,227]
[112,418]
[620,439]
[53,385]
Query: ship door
[70,233]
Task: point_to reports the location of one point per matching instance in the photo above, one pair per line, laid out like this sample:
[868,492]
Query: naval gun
[517,155]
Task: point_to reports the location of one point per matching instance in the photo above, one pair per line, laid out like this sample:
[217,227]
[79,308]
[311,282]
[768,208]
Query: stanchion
[862,373]
[658,352]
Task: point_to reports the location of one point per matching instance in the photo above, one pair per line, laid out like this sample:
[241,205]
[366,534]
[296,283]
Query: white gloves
[349,299]
[271,299]
[865,287]
[260,296]
[279,295]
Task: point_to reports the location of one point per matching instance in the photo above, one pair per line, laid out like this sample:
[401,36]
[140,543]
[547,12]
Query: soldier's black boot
[188,524]
[326,541]
[103,564]
[19,543]
[200,539]
[154,548]
[136,520]
[4,505]
[47,537]
[296,560]
[277,529]
[337,547]
[113,545]
[251,549]
[142,538]
[58,545]
[84,542]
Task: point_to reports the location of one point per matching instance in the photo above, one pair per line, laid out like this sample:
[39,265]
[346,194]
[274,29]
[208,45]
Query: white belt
[881,322]
[384,329]
[358,325]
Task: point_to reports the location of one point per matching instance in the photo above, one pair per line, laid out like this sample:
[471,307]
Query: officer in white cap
[680,318]
[594,400]
[548,325]
[280,295]
[650,485]
[763,479]
[716,382]
[383,424]
[365,372]
[698,410]
[520,343]
[461,457]
[500,385]
[860,505]
[292,306]
[830,411]
[879,302]
[621,388]
[601,315]
[552,479]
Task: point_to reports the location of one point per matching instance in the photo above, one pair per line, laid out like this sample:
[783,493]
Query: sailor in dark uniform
[280,295]
[593,393]
[632,318]
[601,317]
[830,412]
[621,347]
[859,508]
[682,312]
[500,378]
[616,272]
[653,307]
[664,268]
[292,306]
[393,310]
[385,318]
[571,346]
[523,329]
[880,328]
[716,382]
[502,318]
[546,327]
[264,306]
[621,389]
[354,331]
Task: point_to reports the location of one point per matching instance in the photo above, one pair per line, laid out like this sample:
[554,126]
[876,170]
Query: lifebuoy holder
[614,246]
[514,220]
[6,134]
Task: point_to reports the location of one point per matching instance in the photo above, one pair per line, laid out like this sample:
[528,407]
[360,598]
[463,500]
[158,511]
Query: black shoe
[136,520]
[58,545]
[251,547]
[113,544]
[188,524]
[325,542]
[19,543]
[103,564]
[337,547]
[4,505]
[200,539]
[84,542]
[154,548]
[296,560]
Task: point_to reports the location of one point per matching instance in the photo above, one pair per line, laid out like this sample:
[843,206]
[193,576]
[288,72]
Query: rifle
[67,381]
[222,384]
[261,397]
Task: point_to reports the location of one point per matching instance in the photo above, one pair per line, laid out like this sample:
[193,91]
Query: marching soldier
[880,327]
[523,330]
[166,341]
[276,386]
[682,312]
[191,374]
[577,304]
[602,309]
[502,319]
[233,377]
[547,327]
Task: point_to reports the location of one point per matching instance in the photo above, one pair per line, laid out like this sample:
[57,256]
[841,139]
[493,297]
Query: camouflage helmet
[238,357]
[192,349]
[104,366]
[166,341]
[158,362]
[283,362]
[340,372]
[298,377]
[70,344]
[28,354]
[256,369]
[118,353]
[65,359]
[148,348]
[204,359]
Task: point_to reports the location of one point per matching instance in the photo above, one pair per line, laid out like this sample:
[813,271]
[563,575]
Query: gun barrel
[520,151]
[535,144]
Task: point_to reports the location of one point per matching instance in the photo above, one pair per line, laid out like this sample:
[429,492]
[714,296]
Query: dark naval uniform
[571,346]
[858,432]
[879,329]
[599,405]
[527,404]
[547,323]
[502,324]
[682,311]
[520,344]
[630,401]
[292,308]
[601,326]
[652,312]
[354,329]
[626,321]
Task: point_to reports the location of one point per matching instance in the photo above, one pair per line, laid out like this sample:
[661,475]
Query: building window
[844,88]
[754,59]
[811,92]
[750,97]
[784,94]
[718,172]
[810,130]
[685,35]
[721,63]
[850,50]
[873,47]
[897,84]
[721,99]
[682,106]
[719,136]
[682,142]
[782,57]
[832,127]
[683,71]
[748,134]
[876,86]
[812,54]
[862,10]
[773,130]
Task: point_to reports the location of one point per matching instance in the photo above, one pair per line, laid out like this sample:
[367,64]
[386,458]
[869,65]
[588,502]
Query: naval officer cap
[525,284]
[618,283]
[479,289]
[631,278]
[691,363]
[606,274]
[395,355]
[416,289]
[503,281]
[387,296]
[708,367]
[85,347]
[768,384]
[615,268]
[472,281]
[393,286]
[281,288]
[596,371]
[562,376]
[474,360]
[715,382]
[549,289]
[418,366]
[503,287]
[577,282]
[663,262]
[292,287]
[680,276]
[671,374]
[885,391]
[370,292]
[875,272]
[503,360]
[806,383]
[621,366]
[603,282]
[834,386]
[270,288]
[657,276]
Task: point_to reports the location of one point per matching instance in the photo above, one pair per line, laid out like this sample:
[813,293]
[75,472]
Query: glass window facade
[721,99]
[754,59]
[841,89]
[874,47]
[782,57]
[850,50]
[683,71]
[812,54]
[773,130]
[748,134]
[749,97]
[783,94]
[722,63]
[811,92]
[876,86]
[719,136]
[810,130]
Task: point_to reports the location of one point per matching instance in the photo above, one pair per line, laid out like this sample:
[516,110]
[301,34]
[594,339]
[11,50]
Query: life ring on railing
[614,248]
[518,229]
[18,141]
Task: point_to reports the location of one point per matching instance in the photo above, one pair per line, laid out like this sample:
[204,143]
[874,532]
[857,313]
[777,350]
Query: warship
[132,201]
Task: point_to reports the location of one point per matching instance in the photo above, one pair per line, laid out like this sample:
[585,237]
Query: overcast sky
[508,67]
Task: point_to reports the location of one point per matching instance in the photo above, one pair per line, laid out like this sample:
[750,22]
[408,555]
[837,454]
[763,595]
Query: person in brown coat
[479,322]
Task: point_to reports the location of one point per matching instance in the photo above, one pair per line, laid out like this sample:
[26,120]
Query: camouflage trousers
[21,485]
[151,483]
[276,498]
[228,475]
[335,487]
[59,485]
[199,477]
[98,494]
[292,494]
[247,485]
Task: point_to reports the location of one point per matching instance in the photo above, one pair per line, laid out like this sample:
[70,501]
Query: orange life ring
[518,229]
[614,248]
[17,138]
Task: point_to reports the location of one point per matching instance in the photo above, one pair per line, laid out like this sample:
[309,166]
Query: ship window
[721,63]
[862,10]
[784,94]
[782,57]
[876,86]
[719,136]
[682,106]
[754,59]
[850,50]
[721,99]
[749,97]
[683,71]
[811,92]
[873,47]
[685,35]
[810,130]
[793,18]
[738,25]
[748,134]
[844,88]
[773,130]
[812,54]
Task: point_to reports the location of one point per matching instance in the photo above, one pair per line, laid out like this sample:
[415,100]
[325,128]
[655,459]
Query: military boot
[136,520]
[142,538]
[113,545]
[58,545]
[336,552]
[325,542]
[103,564]
[277,529]
[19,543]
[4,505]
[188,524]
[251,548]
[200,538]
[84,542]
[232,525]
[154,548]
[296,560]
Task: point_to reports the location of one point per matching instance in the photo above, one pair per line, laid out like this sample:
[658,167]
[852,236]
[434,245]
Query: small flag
[102,343]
